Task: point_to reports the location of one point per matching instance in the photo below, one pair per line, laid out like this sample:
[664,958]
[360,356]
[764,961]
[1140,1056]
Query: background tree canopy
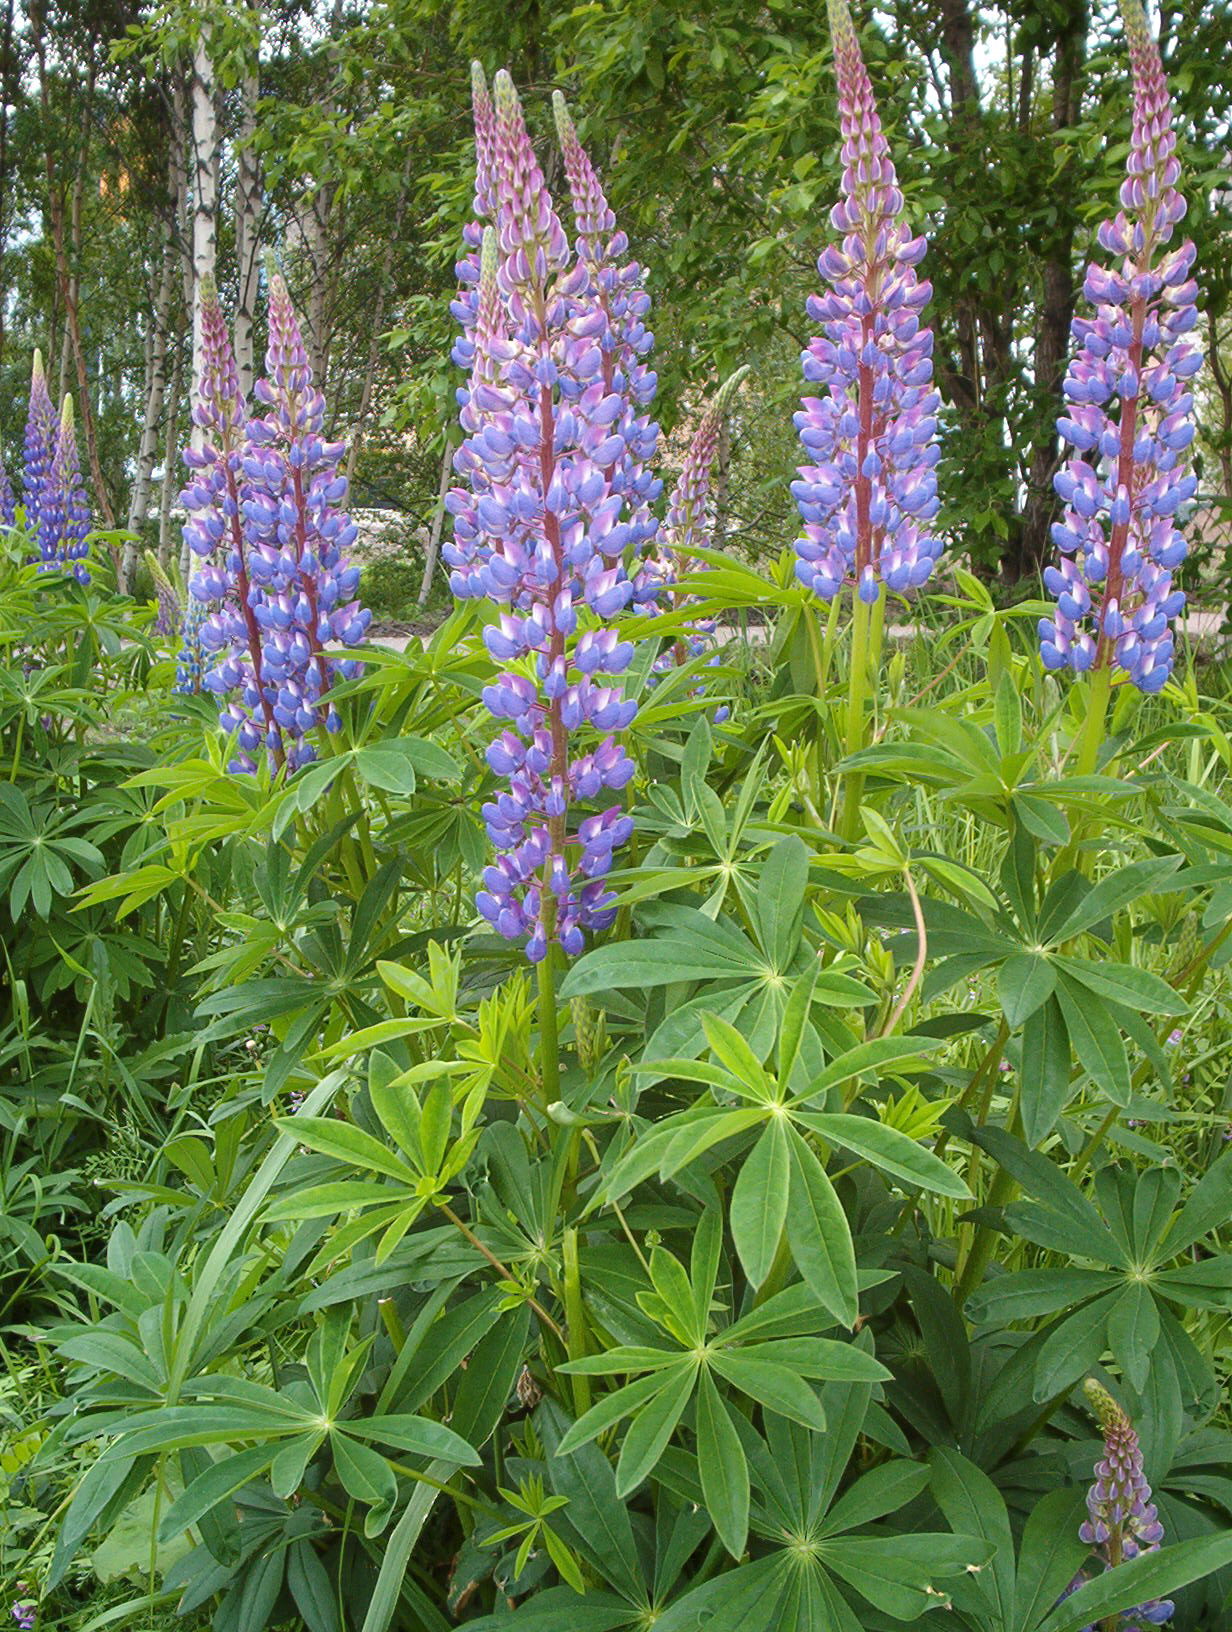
[341,140]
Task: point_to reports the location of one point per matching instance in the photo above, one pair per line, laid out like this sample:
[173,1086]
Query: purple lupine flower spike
[615,291]
[464,308]
[541,525]
[40,446]
[267,528]
[64,521]
[870,493]
[1129,415]
[8,499]
[303,585]
[1121,1521]
[229,638]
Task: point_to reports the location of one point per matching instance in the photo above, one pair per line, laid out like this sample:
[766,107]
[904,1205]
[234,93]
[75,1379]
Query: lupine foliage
[758,1265]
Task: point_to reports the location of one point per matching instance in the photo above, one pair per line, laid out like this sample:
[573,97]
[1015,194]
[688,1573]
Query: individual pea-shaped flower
[868,494]
[1129,415]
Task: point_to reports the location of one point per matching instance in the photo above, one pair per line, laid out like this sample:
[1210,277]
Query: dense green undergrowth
[336,1293]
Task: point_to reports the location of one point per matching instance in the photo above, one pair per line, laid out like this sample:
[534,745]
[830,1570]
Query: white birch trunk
[438,522]
[156,390]
[171,456]
[247,229]
[204,159]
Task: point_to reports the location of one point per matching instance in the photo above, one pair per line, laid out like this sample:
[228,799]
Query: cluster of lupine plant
[270,539]
[749,1281]
[54,505]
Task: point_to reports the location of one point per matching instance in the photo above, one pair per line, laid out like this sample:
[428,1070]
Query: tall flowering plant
[39,448]
[54,501]
[267,530]
[867,495]
[1129,421]
[1121,1521]
[64,510]
[869,492]
[552,493]
[8,499]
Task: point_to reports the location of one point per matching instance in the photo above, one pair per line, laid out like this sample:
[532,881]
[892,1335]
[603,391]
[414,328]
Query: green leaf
[777,1388]
[889,1149]
[647,1435]
[973,1506]
[609,1410]
[819,1236]
[419,1435]
[1111,894]
[1050,1556]
[1133,1328]
[620,965]
[872,1056]
[595,1518]
[310,1586]
[1126,984]
[1095,1038]
[366,1475]
[1026,1293]
[1007,714]
[1045,1071]
[346,1143]
[781,894]
[1072,1348]
[489,1378]
[723,1468]
[1138,1580]
[883,1490]
[1209,1206]
[759,1202]
[219,1481]
[1025,983]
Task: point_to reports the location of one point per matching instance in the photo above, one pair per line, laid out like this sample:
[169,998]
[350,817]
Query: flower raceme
[553,494]
[869,493]
[64,510]
[1129,418]
[1121,1519]
[40,445]
[54,500]
[265,524]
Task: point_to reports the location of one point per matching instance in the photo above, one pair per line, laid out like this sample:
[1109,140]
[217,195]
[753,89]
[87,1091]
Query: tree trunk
[378,320]
[204,140]
[170,454]
[1221,434]
[1056,312]
[156,390]
[8,95]
[432,550]
[64,281]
